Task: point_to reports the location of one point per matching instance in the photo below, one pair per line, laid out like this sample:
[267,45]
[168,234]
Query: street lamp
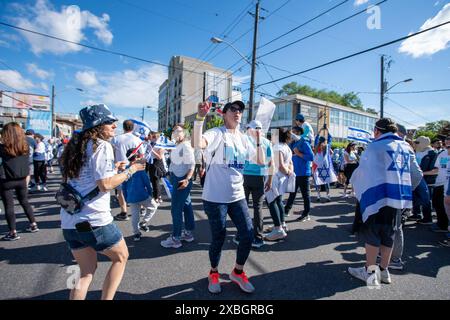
[407,80]
[219,40]
[143,110]
[384,91]
[53,105]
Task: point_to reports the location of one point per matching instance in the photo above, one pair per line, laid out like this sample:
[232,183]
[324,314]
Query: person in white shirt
[440,168]
[285,169]
[89,168]
[226,151]
[182,163]
[122,143]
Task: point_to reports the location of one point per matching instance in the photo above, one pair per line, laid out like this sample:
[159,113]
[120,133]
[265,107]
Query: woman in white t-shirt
[226,150]
[285,167]
[182,163]
[89,168]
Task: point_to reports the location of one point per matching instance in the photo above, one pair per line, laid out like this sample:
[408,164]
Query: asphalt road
[310,264]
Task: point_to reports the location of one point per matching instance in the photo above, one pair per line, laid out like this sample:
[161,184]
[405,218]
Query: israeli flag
[165,143]
[360,135]
[141,129]
[383,176]
[323,171]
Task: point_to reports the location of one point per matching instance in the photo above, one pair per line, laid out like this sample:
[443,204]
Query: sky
[156,30]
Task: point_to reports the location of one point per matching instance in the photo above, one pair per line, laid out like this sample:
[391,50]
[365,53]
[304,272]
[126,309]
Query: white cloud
[43,86]
[360,2]
[237,80]
[86,78]
[41,74]
[15,80]
[68,23]
[432,41]
[128,88]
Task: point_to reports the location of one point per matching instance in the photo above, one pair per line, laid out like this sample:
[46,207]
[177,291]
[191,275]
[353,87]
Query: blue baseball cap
[300,117]
[96,115]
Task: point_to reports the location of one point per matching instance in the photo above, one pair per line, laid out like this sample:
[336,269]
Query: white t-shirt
[98,166]
[124,142]
[224,182]
[309,131]
[351,156]
[442,163]
[285,152]
[182,159]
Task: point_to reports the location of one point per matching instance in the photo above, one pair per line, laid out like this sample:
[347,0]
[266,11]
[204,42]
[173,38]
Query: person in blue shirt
[302,158]
[138,192]
[255,181]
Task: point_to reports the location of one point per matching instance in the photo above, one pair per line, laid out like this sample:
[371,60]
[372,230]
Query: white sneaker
[44,188]
[171,242]
[276,234]
[38,187]
[385,276]
[370,276]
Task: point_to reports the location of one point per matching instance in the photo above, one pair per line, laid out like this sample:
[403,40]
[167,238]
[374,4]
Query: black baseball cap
[237,102]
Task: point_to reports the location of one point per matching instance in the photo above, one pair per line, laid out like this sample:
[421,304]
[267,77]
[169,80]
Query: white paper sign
[265,113]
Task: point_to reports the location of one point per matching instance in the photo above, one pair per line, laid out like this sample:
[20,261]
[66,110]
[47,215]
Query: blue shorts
[100,239]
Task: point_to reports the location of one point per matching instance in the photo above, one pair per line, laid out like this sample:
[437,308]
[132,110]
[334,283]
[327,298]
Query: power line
[400,120]
[163,15]
[321,30]
[357,53]
[303,24]
[408,109]
[410,92]
[92,47]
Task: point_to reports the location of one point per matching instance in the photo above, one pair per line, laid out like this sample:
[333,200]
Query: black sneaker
[144,227]
[33,228]
[303,218]
[413,218]
[445,243]
[425,222]
[137,237]
[11,237]
[122,217]
[257,243]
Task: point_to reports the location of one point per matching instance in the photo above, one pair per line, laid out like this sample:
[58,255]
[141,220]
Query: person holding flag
[382,185]
[323,172]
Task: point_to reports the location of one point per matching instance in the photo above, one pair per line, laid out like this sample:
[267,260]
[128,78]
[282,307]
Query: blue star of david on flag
[400,161]
[324,173]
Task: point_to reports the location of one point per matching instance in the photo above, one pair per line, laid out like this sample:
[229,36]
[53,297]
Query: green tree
[427,133]
[215,121]
[349,99]
[437,126]
[370,110]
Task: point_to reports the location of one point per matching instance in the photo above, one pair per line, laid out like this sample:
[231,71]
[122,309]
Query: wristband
[197,117]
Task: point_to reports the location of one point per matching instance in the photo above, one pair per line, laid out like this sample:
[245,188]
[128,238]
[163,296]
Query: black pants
[154,175]
[254,185]
[40,172]
[196,171]
[6,191]
[303,184]
[438,204]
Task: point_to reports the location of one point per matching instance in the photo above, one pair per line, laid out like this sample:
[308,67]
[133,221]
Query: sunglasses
[234,109]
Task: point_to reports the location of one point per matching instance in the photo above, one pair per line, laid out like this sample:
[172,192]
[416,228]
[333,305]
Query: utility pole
[382,88]
[252,80]
[204,86]
[53,110]
[143,110]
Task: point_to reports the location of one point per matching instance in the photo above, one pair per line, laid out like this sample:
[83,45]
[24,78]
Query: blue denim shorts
[100,239]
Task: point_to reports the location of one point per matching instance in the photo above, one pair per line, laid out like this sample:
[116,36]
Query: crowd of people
[237,171]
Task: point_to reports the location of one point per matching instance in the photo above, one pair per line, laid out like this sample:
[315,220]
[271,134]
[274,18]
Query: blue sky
[156,30]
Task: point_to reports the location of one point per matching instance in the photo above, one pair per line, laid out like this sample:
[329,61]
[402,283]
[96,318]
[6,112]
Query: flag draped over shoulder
[383,177]
[322,167]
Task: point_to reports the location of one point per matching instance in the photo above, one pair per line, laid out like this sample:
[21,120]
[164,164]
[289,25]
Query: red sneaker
[242,281]
[214,283]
